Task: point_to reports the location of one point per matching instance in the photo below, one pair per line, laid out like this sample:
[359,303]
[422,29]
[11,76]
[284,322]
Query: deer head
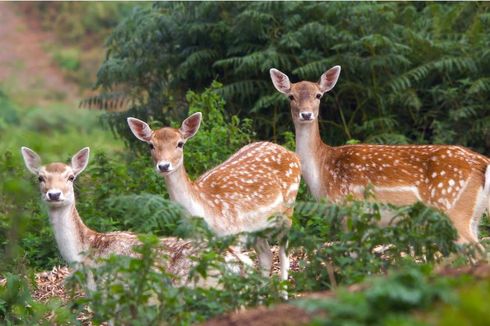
[166,144]
[305,96]
[56,179]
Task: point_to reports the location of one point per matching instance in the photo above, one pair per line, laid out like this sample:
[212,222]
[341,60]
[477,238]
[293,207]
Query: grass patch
[67,59]
[56,131]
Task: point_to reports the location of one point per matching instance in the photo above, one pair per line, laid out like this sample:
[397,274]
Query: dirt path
[27,72]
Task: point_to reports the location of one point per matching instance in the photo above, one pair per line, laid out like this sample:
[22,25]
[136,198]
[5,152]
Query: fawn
[259,181]
[453,179]
[77,243]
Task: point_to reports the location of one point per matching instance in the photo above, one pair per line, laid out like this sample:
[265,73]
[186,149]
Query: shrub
[344,244]
[387,300]
[130,289]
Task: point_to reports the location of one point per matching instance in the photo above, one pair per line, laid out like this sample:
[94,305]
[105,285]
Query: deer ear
[140,129]
[31,160]
[191,125]
[329,79]
[280,81]
[79,161]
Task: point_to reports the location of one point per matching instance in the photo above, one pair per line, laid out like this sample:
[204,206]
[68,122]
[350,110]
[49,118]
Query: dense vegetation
[412,72]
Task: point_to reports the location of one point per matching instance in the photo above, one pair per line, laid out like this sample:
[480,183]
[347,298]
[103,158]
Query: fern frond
[269,101]
[453,64]
[242,89]
[149,212]
[111,101]
[410,78]
[387,138]
[313,69]
[481,85]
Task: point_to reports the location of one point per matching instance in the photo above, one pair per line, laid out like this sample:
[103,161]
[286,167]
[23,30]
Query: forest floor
[27,71]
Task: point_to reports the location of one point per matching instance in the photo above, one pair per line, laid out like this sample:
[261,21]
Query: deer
[81,246]
[259,181]
[453,179]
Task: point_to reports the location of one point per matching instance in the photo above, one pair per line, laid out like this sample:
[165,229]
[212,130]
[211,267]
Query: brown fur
[55,167]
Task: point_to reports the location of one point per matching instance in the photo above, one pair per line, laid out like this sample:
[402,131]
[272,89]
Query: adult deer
[78,244]
[258,182]
[453,179]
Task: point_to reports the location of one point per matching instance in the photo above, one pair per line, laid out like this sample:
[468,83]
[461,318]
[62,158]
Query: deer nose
[163,167]
[306,115]
[54,195]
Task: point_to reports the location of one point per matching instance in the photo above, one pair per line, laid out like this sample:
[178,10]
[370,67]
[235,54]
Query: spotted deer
[453,179]
[78,244]
[258,182]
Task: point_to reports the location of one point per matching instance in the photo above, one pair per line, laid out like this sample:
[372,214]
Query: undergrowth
[333,245]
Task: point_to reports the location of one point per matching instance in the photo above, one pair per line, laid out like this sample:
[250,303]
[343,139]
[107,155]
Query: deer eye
[318,96]
[291,97]
[71,178]
[152,147]
[180,144]
[40,179]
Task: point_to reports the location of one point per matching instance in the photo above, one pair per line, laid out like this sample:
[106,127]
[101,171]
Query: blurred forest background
[71,72]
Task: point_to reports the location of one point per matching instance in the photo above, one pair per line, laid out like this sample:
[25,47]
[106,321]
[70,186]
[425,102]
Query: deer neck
[310,150]
[182,190]
[70,232]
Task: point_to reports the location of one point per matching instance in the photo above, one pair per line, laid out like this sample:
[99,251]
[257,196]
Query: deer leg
[284,260]
[467,211]
[91,285]
[264,254]
[462,222]
[283,249]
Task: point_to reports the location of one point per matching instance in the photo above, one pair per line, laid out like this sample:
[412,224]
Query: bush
[386,301]
[131,290]
[344,244]
[410,72]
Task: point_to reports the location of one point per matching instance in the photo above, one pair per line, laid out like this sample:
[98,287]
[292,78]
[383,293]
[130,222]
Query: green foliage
[147,212]
[52,131]
[218,137]
[344,244]
[8,114]
[385,301]
[409,296]
[68,59]
[411,72]
[134,290]
[469,308]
